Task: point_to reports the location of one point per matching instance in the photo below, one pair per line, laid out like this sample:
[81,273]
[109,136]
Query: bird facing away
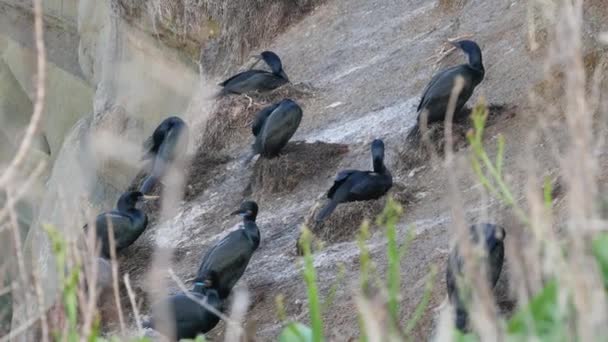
[354,185]
[274,126]
[229,257]
[257,80]
[492,239]
[127,222]
[436,95]
[189,317]
[167,144]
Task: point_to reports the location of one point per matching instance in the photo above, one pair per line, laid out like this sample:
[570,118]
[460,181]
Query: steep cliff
[117,68]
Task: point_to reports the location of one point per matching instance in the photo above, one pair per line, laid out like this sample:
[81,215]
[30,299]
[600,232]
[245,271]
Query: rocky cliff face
[118,67]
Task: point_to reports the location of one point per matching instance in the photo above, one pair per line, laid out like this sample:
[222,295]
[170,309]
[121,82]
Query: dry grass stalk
[115,278]
[133,302]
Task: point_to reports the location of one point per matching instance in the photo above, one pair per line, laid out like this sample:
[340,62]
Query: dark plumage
[189,317]
[257,80]
[354,185]
[274,126]
[127,221]
[492,240]
[436,95]
[229,257]
[167,144]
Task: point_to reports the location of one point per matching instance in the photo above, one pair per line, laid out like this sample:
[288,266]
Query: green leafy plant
[389,218]
[600,251]
[69,279]
[310,278]
[490,173]
[540,317]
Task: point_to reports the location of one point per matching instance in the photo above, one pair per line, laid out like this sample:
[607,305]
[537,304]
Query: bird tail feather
[326,211]
[414,134]
[148,324]
[158,170]
[461,319]
[148,184]
[249,158]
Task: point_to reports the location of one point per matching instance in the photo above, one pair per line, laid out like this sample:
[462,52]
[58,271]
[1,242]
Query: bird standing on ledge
[491,237]
[167,144]
[229,257]
[126,220]
[436,95]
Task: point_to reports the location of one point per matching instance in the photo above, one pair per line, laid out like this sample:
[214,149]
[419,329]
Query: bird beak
[455,44]
[237,212]
[207,283]
[150,197]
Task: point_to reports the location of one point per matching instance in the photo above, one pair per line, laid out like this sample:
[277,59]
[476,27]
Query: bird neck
[249,218]
[476,63]
[379,166]
[126,208]
[252,231]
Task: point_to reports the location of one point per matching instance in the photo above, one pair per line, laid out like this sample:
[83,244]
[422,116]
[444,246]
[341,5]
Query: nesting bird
[491,238]
[229,257]
[257,80]
[435,98]
[189,317]
[354,185]
[274,126]
[126,220]
[167,144]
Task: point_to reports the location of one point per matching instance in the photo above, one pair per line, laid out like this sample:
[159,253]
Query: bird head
[129,200]
[378,154]
[248,209]
[274,62]
[492,235]
[472,50]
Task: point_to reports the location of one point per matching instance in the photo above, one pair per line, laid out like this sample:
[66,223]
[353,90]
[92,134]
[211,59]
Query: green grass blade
[309,274]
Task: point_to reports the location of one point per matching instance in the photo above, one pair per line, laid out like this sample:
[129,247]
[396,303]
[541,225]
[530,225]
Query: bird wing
[174,144]
[364,184]
[123,234]
[439,84]
[229,257]
[280,127]
[340,179]
[153,142]
[242,76]
[261,117]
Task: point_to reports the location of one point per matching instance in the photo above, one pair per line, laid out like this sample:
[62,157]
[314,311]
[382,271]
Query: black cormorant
[435,98]
[493,242]
[257,80]
[190,317]
[229,257]
[168,143]
[274,126]
[354,185]
[127,221]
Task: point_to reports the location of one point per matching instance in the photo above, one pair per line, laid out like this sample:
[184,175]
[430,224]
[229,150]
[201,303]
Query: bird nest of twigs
[419,147]
[230,123]
[201,170]
[298,161]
